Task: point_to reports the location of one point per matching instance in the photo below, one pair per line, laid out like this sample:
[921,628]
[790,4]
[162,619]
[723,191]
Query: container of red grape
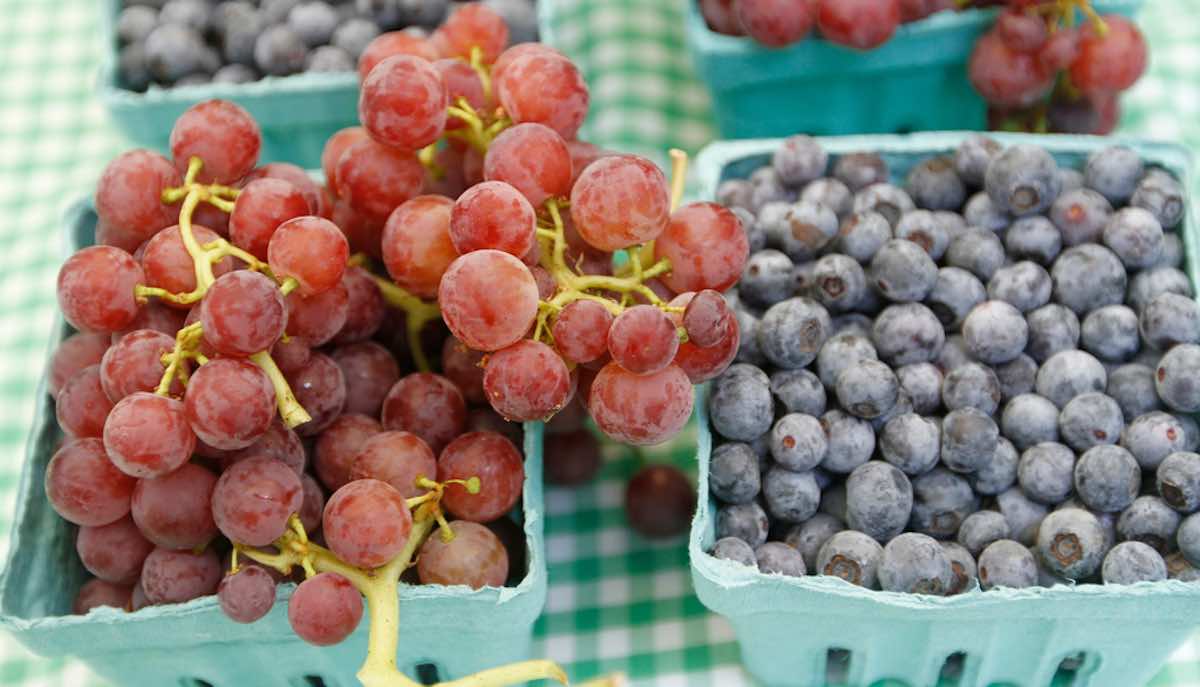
[916,487]
[871,66]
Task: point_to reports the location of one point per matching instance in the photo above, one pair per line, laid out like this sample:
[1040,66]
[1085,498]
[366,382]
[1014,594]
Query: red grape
[279,442]
[493,215]
[397,458]
[708,319]
[129,193]
[221,134]
[859,24]
[461,81]
[82,406]
[582,155]
[1005,77]
[472,166]
[338,445]
[519,50]
[292,174]
[394,43]
[243,313]
[320,388]
[620,201]
[76,352]
[370,371]
[464,367]
[291,354]
[659,502]
[643,339]
[113,235]
[416,244]
[230,403]
[253,500]
[472,26]
[532,158]
[137,598]
[147,435]
[572,458]
[702,364]
[475,557]
[546,284]
[721,16]
[375,179]
[1060,50]
[174,511]
[135,364]
[449,179]
[706,246]
[113,552]
[581,331]
[168,265]
[366,523]
[313,505]
[246,595]
[427,405]
[1021,31]
[261,207]
[325,609]
[527,381]
[332,153]
[1111,62]
[178,576]
[311,250]
[96,593]
[488,299]
[640,409]
[485,419]
[571,418]
[95,289]
[153,315]
[402,102]
[208,215]
[365,309]
[495,461]
[84,487]
[775,23]
[544,88]
[316,319]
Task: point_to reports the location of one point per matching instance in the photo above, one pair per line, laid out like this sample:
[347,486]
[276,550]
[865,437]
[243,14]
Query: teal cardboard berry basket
[795,631]
[297,113]
[917,81]
[447,632]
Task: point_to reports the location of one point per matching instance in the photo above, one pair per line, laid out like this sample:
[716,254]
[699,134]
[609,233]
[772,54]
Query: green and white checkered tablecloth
[616,602]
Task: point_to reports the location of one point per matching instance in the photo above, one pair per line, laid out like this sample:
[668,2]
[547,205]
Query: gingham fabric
[616,602]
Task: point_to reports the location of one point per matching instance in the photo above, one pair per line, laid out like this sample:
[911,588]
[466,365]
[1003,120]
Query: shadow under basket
[445,632]
[818,630]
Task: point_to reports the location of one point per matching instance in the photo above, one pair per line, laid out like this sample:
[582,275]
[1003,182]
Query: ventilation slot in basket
[951,674]
[310,681]
[427,673]
[1070,669]
[194,682]
[837,666]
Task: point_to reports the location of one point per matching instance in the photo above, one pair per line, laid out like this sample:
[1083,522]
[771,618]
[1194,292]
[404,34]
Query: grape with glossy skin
[82,406]
[640,409]
[84,487]
[858,24]
[332,153]
[493,215]
[532,158]
[338,445]
[527,381]
[643,339]
[113,552]
[370,371]
[366,523]
[76,352]
[708,319]
[261,207]
[311,250]
[397,458]
[325,609]
[246,595]
[316,319]
[489,299]
[775,23]
[495,461]
[175,511]
[95,289]
[96,593]
[544,87]
[320,387]
[704,363]
[1112,61]
[475,557]
[365,309]
[147,435]
[620,201]
[168,265]
[417,248]
[178,576]
[581,331]
[221,134]
[243,313]
[253,500]
[230,403]
[375,179]
[293,174]
[135,364]
[279,442]
[427,405]
[470,26]
[402,102]
[706,246]
[129,193]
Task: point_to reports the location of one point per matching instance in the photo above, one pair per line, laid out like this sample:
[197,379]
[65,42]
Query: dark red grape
[320,387]
[113,552]
[325,609]
[776,23]
[572,458]
[531,157]
[427,405]
[364,310]
[174,511]
[246,595]
[659,502]
[278,442]
[464,367]
[95,289]
[316,319]
[1110,62]
[475,557]
[294,175]
[153,315]
[470,26]
[230,403]
[497,464]
[370,371]
[313,505]
[859,24]
[221,134]
[338,445]
[178,576]
[147,435]
[643,339]
[488,299]
[620,201]
[1005,77]
[493,215]
[544,87]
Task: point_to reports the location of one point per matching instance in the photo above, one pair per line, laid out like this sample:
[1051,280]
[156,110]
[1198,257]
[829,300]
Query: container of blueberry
[290,63]
[446,632]
[958,440]
[917,79]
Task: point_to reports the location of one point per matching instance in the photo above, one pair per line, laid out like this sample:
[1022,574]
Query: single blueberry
[1090,419]
[860,170]
[1067,374]
[879,500]
[852,556]
[1017,376]
[962,567]
[777,558]
[790,496]
[971,386]
[995,332]
[235,73]
[808,228]
[941,501]
[1022,180]
[1033,238]
[1024,515]
[1046,472]
[1006,563]
[327,59]
[890,201]
[792,331]
[733,473]
[1132,386]
[1024,285]
[1162,195]
[1113,172]
[915,563]
[862,234]
[1177,378]
[1052,329]
[840,352]
[934,184]
[1071,543]
[1135,236]
[1151,521]
[907,333]
[279,51]
[911,443]
[1148,284]
[1187,537]
[1080,216]
[922,383]
[839,282]
[1178,481]
[831,193]
[745,521]
[766,278]
[809,536]
[998,474]
[972,157]
[132,71]
[1107,478]
[314,22]
[902,271]
[1169,319]
[135,23]
[1133,561]
[799,159]
[851,442]
[355,34]
[173,52]
[1028,420]
[867,389]
[983,213]
[1087,277]
[954,294]
[979,252]
[740,405]
[1111,333]
[1152,437]
[731,193]
[979,529]
[800,391]
[798,442]
[736,550]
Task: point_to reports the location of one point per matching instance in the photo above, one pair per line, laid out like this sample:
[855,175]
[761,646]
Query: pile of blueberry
[186,42]
[985,374]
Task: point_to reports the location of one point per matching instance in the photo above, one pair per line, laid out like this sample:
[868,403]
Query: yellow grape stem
[290,410]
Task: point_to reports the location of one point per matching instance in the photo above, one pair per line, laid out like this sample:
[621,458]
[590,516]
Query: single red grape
[230,403]
[572,458]
[113,235]
[253,500]
[858,24]
[129,193]
[461,81]
[495,461]
[394,43]
[147,435]
[643,339]
[320,387]
[488,299]
[135,364]
[1111,62]
[261,207]
[375,179]
[527,381]
[243,313]
[706,246]
[82,406]
[335,145]
[470,26]
[95,289]
[397,458]
[402,102]
[519,50]
[1021,31]
[544,88]
[220,133]
[427,405]
[1005,77]
[640,409]
[475,557]
[325,609]
[113,552]
[416,244]
[316,319]
[708,319]
[581,331]
[493,215]
[620,201]
[775,23]
[294,175]
[1060,50]
[464,367]
[96,593]
[168,265]
[702,364]
[178,576]
[279,442]
[370,371]
[531,157]
[338,445]
[313,505]
[311,250]
[365,309]
[84,487]
[366,523]
[659,502]
[546,285]
[246,595]
[76,352]
[174,511]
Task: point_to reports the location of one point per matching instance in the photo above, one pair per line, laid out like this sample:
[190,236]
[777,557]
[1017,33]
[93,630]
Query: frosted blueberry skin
[745,521]
[915,563]
[809,536]
[1107,478]
[1176,378]
[879,500]
[1006,563]
[1046,472]
[1022,180]
[733,473]
[1132,561]
[980,529]
[852,556]
[1028,420]
[1113,172]
[1071,543]
[1178,481]
[1151,521]
[941,501]
[777,558]
[736,550]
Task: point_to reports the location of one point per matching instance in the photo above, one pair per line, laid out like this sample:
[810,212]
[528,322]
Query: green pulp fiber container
[796,631]
[917,81]
[449,632]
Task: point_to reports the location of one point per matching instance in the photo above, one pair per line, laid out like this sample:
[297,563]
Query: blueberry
[791,496]
[173,52]
[979,252]
[806,230]
[1133,561]
[276,11]
[971,386]
[855,323]
[831,193]
[279,51]
[911,443]
[135,23]
[1148,284]
[792,331]
[995,332]
[1028,420]
[1107,478]
[972,157]
[1017,376]
[314,22]
[229,13]
[902,271]
[1087,277]
[1135,236]
[1071,543]
[852,556]
[838,282]
[1191,432]
[981,212]
[1022,180]
[428,13]
[799,159]
[934,184]
[1090,419]
[1080,216]
[1172,251]
[1006,563]
[1024,285]
[1111,333]
[329,59]
[733,475]
[1046,472]
[1067,374]
[748,340]
[867,389]
[1152,437]
[953,355]
[740,405]
[767,278]
[192,14]
[841,352]
[1178,568]
[860,170]
[1169,319]
[941,501]
[1151,521]
[800,391]
[915,563]
[745,521]
[235,73]
[851,441]
[798,442]
[922,383]
[1113,172]
[734,193]
[979,529]
[952,223]
[999,473]
[1178,481]
[879,500]
[779,558]
[954,294]
[241,35]
[765,190]
[962,567]
[1033,238]
[1071,179]
[833,500]
[355,34]
[902,406]
[755,236]
[890,201]
[809,536]
[1162,195]
[520,16]
[736,550]
[1187,537]
[907,333]
[1132,386]
[132,70]
[1178,378]
[862,234]
[1024,515]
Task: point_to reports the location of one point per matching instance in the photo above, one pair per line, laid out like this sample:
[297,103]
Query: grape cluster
[858,24]
[982,376]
